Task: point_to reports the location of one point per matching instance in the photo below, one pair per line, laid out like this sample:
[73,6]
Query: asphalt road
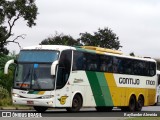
[84,114]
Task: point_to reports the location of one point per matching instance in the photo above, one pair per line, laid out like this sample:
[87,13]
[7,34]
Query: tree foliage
[132,54]
[60,39]
[6,80]
[103,38]
[10,12]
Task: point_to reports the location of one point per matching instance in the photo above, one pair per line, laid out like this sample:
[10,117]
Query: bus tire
[40,109]
[76,104]
[140,103]
[156,103]
[132,104]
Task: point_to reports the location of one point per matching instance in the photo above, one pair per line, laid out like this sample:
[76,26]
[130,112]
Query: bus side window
[146,69]
[106,63]
[136,68]
[116,64]
[64,68]
[92,62]
[127,64]
[152,69]
[78,61]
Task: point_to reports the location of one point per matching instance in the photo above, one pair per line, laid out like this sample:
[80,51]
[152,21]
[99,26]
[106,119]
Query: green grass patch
[5,102]
[144,118]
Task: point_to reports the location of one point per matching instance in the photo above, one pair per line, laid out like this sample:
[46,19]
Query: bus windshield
[34,70]
[44,56]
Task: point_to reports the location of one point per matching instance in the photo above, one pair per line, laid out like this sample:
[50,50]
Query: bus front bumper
[34,102]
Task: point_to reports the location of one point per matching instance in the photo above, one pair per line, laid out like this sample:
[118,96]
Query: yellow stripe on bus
[41,92]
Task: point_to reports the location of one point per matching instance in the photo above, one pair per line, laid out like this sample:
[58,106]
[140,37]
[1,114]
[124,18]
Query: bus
[57,76]
[157,102]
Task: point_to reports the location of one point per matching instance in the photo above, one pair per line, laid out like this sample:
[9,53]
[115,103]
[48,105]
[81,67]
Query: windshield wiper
[36,79]
[24,80]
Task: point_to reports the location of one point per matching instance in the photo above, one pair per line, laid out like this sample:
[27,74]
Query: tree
[6,80]
[132,54]
[60,39]
[103,38]
[10,12]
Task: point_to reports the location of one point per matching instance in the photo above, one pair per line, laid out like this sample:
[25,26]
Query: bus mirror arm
[7,65]
[53,67]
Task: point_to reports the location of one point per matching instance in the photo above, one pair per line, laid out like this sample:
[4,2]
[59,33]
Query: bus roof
[48,47]
[91,49]
[111,52]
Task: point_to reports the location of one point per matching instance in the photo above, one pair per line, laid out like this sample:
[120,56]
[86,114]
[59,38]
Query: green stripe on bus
[96,89]
[85,50]
[104,88]
[33,92]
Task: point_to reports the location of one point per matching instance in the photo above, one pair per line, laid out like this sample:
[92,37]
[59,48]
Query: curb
[16,108]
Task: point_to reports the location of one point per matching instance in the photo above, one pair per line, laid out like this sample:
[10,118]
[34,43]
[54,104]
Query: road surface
[84,114]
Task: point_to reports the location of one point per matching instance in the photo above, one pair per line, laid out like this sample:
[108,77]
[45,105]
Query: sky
[135,22]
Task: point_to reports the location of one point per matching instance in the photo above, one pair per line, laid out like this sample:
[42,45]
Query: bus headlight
[47,96]
[15,95]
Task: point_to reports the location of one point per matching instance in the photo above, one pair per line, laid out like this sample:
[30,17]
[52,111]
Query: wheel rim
[75,103]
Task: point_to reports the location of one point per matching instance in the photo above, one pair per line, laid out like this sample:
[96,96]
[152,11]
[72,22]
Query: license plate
[30,102]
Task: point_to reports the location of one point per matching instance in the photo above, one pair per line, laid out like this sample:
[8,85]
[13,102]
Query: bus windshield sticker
[35,65]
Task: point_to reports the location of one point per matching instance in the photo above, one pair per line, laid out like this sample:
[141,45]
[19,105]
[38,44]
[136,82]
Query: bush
[6,80]
[6,102]
[5,99]
[3,92]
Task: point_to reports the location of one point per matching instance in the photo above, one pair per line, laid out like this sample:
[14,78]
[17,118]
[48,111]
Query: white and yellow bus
[158,89]
[73,77]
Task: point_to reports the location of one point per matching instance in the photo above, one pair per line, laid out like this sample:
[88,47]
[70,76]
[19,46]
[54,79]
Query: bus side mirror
[7,65]
[53,67]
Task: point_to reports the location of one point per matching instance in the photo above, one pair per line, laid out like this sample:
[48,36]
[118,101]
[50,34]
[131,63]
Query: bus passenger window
[136,70]
[141,68]
[127,64]
[92,61]
[106,63]
[152,68]
[116,65]
[146,69]
[78,61]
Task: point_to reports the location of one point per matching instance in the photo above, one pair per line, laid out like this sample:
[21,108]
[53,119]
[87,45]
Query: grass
[144,118]
[6,102]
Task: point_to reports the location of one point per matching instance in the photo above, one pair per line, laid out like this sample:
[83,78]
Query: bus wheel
[104,109]
[40,109]
[76,104]
[140,103]
[132,104]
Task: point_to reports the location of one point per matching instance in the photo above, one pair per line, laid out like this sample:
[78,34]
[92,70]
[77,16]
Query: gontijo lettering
[129,81]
